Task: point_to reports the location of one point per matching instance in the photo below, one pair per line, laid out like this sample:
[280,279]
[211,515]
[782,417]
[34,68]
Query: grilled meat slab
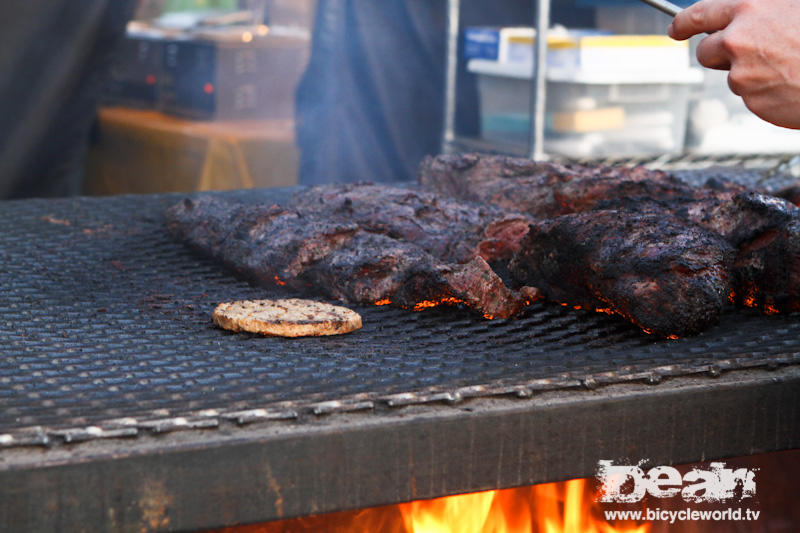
[543,189]
[453,231]
[335,256]
[766,232]
[629,241]
[761,228]
[669,277]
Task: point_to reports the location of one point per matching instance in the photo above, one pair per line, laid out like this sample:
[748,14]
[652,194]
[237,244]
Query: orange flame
[385,301]
[565,507]
[548,508]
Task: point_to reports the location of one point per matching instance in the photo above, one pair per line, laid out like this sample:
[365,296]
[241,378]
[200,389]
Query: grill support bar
[203,479]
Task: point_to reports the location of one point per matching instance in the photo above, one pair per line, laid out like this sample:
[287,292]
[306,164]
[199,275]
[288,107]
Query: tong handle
[663,5]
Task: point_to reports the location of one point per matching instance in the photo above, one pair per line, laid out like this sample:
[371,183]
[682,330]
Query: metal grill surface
[105,328]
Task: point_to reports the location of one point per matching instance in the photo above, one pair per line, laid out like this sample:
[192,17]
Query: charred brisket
[669,277]
[762,229]
[340,256]
[453,231]
[638,243]
[543,189]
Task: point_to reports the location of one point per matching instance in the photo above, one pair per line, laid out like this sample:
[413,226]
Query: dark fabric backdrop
[370,105]
[54,60]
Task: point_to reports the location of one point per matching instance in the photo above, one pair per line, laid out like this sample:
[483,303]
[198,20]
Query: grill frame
[231,475]
[200,465]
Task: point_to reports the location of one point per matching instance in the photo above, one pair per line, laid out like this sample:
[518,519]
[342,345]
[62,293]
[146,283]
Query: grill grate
[106,322]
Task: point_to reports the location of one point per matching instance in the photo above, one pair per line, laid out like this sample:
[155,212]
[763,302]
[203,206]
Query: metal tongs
[662,5]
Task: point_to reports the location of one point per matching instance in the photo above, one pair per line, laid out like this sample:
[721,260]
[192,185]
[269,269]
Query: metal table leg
[451,72]
[539,85]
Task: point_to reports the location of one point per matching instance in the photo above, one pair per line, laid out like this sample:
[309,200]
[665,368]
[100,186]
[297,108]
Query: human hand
[758,42]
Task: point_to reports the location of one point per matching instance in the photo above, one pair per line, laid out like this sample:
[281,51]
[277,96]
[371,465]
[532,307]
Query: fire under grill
[122,406]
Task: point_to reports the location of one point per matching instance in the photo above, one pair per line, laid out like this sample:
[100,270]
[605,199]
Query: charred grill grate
[106,322]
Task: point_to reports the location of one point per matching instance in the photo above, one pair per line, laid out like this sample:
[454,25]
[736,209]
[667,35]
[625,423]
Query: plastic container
[495,44]
[515,44]
[591,112]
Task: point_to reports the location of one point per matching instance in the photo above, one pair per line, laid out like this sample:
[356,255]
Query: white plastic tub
[591,112]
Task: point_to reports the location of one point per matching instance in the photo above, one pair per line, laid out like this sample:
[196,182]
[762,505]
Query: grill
[122,407]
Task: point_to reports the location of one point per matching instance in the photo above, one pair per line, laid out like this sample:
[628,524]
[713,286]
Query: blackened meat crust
[450,230]
[767,265]
[669,277]
[762,229]
[543,189]
[629,241]
[335,256]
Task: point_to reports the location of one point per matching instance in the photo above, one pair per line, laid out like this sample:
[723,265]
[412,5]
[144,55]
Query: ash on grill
[499,232]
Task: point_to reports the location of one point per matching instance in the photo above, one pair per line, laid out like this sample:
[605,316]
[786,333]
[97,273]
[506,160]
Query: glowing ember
[604,310]
[385,301]
[749,298]
[767,305]
[279,282]
[427,304]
